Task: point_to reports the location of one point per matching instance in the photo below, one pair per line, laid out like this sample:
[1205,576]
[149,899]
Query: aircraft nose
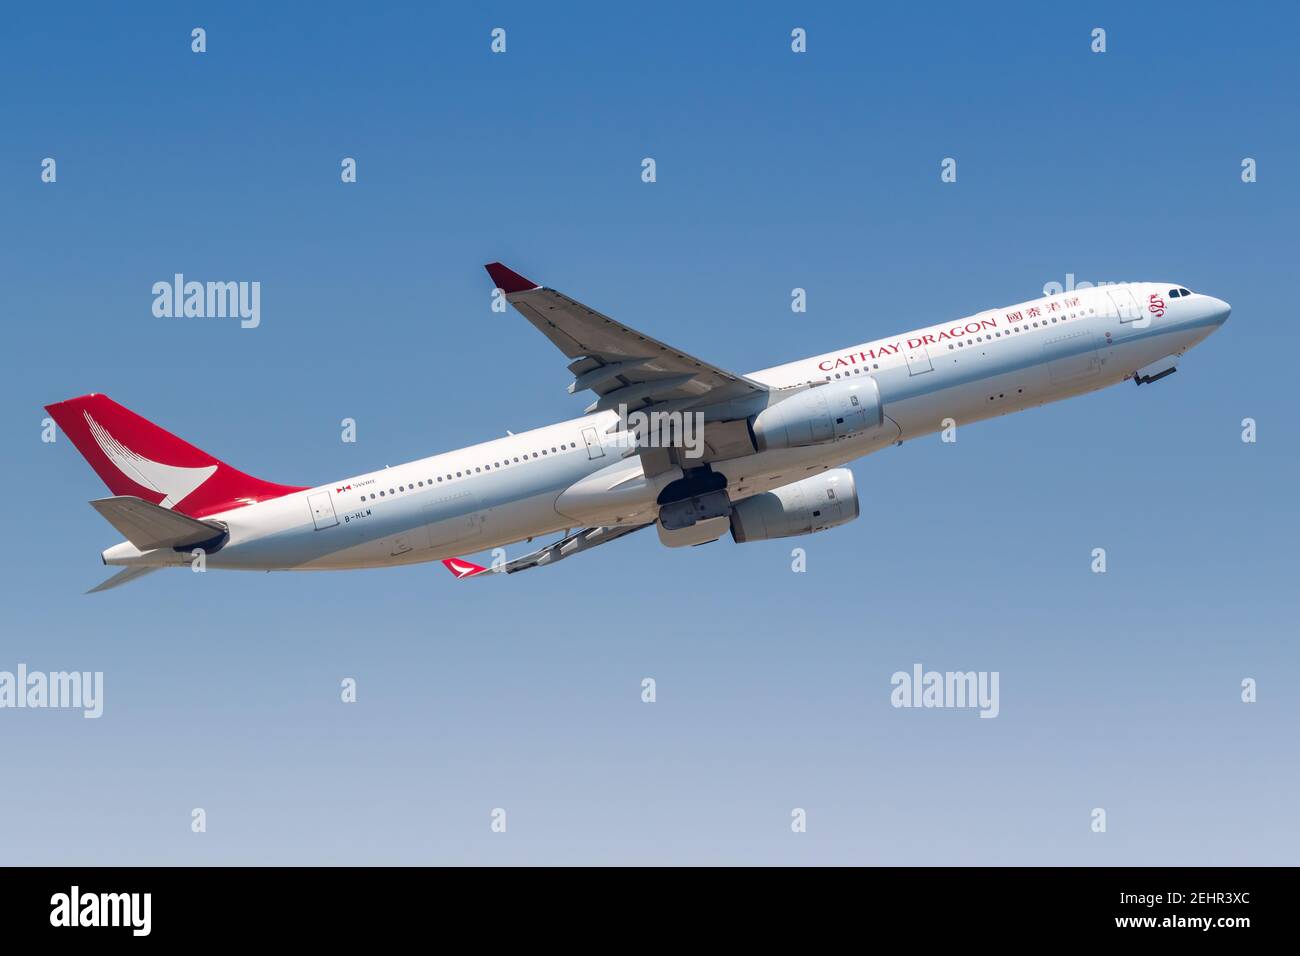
[1219,309]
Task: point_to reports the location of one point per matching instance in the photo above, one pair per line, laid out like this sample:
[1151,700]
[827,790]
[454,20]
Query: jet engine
[819,414]
[813,504]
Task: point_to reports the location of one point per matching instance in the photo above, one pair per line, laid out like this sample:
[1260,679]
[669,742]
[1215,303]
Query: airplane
[670,441]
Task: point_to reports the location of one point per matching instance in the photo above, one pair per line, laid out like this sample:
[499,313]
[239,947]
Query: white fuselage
[510,489]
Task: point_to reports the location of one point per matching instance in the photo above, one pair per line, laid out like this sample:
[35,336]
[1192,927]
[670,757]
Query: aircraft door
[594,447]
[918,361]
[322,510]
[1125,305]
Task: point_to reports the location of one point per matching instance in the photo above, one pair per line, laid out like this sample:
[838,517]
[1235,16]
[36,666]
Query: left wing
[625,368]
[556,551]
[619,364]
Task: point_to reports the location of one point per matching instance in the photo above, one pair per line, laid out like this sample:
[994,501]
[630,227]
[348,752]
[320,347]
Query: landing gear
[694,509]
[1145,379]
[1156,370]
[683,514]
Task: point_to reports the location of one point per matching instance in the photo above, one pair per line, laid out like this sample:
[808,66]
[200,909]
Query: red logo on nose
[1157,304]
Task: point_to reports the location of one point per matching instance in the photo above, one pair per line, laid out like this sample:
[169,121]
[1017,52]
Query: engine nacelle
[813,504]
[819,414]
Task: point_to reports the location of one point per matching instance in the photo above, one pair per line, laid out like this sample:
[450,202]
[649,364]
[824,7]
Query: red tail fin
[135,457]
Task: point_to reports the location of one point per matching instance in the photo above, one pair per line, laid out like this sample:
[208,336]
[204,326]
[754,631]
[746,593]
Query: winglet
[508,280]
[462,568]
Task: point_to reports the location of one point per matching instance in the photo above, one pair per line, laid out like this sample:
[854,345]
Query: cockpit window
[1184,292]
[1175,293]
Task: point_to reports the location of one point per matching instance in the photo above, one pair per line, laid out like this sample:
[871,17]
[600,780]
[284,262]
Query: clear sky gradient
[775,171]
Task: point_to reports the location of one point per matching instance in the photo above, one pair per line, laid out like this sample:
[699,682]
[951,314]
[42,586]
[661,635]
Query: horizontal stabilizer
[149,526]
[122,577]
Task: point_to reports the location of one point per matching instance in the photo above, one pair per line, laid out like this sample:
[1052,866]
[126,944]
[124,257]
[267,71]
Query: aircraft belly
[527,517]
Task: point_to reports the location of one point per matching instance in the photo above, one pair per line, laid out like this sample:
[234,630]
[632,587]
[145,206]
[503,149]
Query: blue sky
[775,171]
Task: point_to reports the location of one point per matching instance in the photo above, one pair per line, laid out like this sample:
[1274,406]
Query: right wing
[556,551]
